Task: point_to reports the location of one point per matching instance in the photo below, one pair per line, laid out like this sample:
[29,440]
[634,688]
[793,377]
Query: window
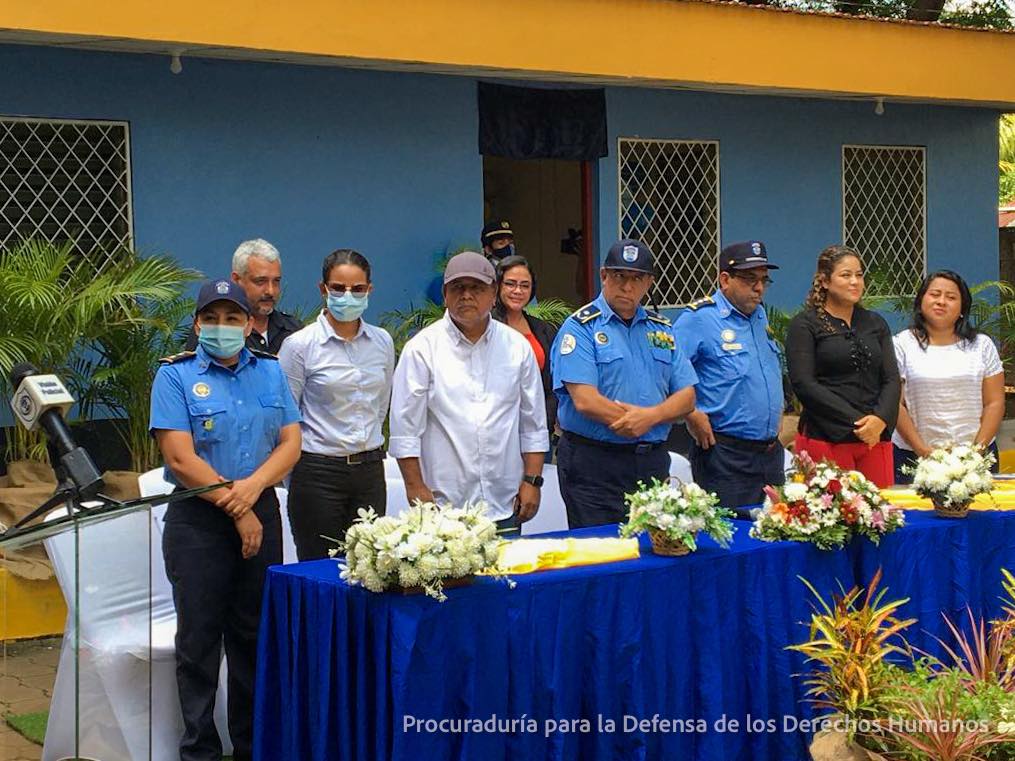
[66,180]
[884,214]
[669,199]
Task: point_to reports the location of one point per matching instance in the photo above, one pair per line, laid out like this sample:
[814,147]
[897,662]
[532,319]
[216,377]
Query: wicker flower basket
[461,581]
[663,545]
[949,511]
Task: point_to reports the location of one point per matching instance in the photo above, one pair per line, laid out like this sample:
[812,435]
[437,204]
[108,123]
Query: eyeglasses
[515,285]
[621,277]
[753,281]
[339,290]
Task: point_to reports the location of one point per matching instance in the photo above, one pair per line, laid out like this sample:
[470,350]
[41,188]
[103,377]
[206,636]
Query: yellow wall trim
[662,42]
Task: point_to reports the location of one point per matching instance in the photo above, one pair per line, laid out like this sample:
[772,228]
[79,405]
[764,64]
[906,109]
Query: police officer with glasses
[735,424]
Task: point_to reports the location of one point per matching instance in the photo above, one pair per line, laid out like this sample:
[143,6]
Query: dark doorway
[548,202]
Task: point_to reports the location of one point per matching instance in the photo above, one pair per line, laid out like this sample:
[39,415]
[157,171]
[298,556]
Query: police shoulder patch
[177,357]
[704,301]
[662,320]
[588,312]
[263,354]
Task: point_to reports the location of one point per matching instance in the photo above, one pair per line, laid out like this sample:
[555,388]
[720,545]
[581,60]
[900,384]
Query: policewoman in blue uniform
[735,425]
[221,413]
[621,380]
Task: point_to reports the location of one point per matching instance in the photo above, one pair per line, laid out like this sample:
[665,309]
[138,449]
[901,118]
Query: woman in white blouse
[953,382]
[339,369]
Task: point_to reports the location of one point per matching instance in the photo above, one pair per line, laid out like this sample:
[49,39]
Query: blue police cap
[221,290]
[629,254]
[745,255]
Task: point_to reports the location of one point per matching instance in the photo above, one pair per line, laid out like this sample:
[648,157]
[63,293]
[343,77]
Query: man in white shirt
[468,421]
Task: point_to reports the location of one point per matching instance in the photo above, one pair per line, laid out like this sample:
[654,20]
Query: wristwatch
[536,481]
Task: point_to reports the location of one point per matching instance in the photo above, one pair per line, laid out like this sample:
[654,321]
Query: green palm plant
[1006,158]
[55,306]
[122,368]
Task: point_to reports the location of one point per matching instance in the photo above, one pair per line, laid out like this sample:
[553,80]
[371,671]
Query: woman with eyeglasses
[952,379]
[339,369]
[516,287]
[842,367]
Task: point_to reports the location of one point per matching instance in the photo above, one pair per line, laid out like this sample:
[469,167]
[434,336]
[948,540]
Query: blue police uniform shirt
[234,414]
[738,364]
[640,364]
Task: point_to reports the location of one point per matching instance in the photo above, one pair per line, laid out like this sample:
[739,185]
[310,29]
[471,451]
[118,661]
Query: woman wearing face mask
[516,287]
[952,379]
[842,367]
[339,369]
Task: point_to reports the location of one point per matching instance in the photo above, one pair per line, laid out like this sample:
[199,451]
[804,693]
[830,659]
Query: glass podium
[116,665]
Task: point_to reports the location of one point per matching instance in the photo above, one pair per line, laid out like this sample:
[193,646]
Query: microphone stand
[77,507]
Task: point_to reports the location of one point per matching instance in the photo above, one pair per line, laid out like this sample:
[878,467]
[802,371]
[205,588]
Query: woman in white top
[953,382]
[339,370]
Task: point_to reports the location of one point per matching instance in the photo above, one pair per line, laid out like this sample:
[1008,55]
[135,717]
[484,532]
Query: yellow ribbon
[529,555]
[1001,497]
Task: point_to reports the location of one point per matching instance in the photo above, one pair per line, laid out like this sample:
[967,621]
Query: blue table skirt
[347,674]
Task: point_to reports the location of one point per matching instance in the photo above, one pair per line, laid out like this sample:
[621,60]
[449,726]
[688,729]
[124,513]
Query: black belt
[754,445]
[374,455]
[643,447]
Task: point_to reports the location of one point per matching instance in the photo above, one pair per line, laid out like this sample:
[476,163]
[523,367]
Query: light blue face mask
[222,341]
[348,306]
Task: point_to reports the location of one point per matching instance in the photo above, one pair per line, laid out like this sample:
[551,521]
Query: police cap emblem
[222,287]
[630,254]
[756,248]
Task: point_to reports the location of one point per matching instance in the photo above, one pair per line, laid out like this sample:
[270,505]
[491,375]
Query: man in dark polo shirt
[257,268]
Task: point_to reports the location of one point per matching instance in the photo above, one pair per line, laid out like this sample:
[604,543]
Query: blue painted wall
[315,158]
[309,158]
[780,172]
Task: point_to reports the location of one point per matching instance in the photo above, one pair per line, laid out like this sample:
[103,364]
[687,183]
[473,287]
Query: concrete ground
[27,673]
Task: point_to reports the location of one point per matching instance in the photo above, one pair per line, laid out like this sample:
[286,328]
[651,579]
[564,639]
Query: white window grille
[66,180]
[884,214]
[669,200]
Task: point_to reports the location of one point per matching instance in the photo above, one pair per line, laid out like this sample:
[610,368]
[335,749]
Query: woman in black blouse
[842,367]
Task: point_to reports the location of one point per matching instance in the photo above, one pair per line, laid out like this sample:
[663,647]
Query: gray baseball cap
[469,264]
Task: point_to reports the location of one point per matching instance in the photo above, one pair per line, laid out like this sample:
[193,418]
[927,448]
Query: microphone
[42,401]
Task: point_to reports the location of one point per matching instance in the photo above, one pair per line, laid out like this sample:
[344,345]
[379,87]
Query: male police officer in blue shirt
[222,413]
[621,381]
[735,426]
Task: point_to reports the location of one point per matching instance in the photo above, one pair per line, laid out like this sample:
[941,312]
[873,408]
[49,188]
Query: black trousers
[218,601]
[593,480]
[737,472]
[324,495]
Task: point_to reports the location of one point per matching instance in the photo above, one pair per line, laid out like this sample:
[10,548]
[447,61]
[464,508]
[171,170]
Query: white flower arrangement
[421,548]
[679,511]
[953,475]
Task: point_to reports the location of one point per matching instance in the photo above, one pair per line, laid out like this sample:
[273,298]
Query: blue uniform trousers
[218,601]
[594,477]
[737,469]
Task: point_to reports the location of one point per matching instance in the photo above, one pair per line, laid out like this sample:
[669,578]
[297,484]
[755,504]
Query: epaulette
[656,317]
[588,312]
[262,354]
[177,357]
[704,301]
